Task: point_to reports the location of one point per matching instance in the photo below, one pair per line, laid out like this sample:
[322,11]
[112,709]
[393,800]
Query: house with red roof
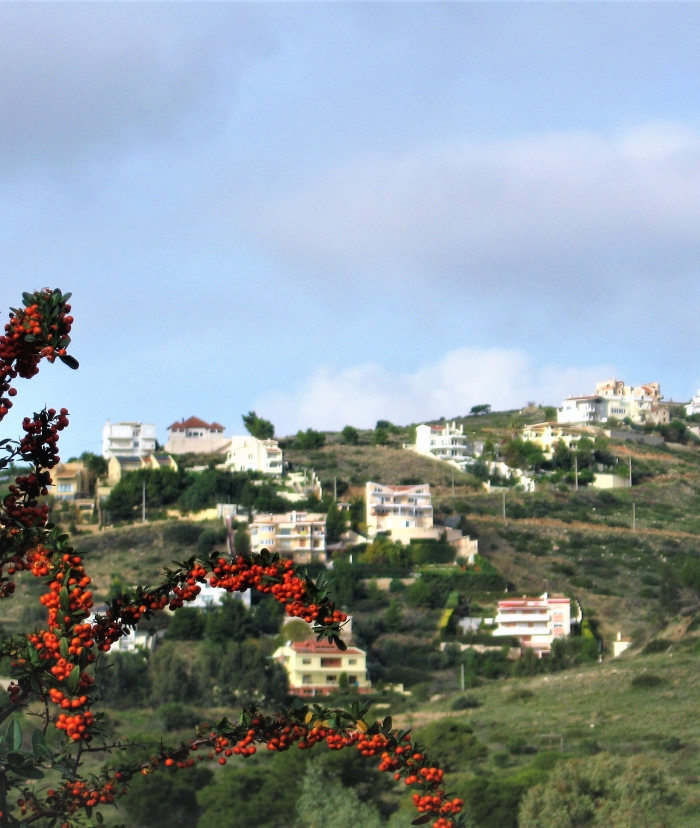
[314,667]
[195,436]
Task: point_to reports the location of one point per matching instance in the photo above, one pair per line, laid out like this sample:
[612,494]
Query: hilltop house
[248,453]
[445,442]
[73,483]
[300,536]
[196,437]
[614,399]
[406,513]
[314,667]
[128,439]
[537,622]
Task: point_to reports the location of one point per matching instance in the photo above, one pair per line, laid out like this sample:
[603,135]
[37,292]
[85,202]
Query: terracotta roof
[194,422]
[312,646]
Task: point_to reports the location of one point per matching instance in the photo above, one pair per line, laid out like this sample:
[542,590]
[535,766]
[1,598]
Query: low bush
[657,645]
[465,703]
[647,680]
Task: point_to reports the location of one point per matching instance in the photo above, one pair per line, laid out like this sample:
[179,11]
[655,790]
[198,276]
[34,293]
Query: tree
[350,435]
[479,410]
[335,523]
[262,429]
[340,808]
[381,436]
[59,667]
[309,439]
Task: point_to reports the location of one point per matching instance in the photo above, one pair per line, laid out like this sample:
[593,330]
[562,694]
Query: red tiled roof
[312,646]
[193,422]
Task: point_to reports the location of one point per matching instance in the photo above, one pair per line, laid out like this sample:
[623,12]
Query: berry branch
[56,665]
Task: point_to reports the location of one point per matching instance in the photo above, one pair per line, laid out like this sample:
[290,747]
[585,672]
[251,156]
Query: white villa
[693,407]
[443,442]
[248,453]
[314,667]
[612,398]
[535,621]
[128,439]
[547,435]
[197,437]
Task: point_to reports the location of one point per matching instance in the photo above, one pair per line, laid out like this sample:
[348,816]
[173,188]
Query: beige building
[537,622]
[300,536]
[314,668]
[248,453]
[547,435]
[194,436]
[406,513]
[73,483]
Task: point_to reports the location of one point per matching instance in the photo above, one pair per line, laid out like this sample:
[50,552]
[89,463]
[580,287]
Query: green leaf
[64,600]
[66,296]
[64,647]
[39,748]
[29,772]
[69,360]
[29,338]
[27,299]
[421,820]
[73,679]
[14,735]
[387,723]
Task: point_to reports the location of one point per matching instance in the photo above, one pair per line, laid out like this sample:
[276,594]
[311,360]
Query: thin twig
[8,711]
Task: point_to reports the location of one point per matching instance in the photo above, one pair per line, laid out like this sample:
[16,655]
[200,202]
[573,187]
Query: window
[285,531]
[306,679]
[331,679]
[331,662]
[352,680]
[352,661]
[65,487]
[306,661]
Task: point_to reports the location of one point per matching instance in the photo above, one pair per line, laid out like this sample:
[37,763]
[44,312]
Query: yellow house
[314,667]
[119,466]
[547,435]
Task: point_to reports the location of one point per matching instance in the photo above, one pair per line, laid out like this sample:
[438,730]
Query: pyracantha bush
[55,666]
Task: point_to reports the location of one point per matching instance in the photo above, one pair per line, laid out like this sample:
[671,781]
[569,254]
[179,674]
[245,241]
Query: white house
[537,622]
[612,398]
[445,442]
[128,439]
[248,453]
[210,597]
[693,407]
[197,437]
[406,513]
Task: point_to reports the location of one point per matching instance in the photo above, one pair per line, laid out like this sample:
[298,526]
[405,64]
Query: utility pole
[143,502]
[504,506]
[576,472]
[453,480]
[335,489]
[630,459]
[634,517]
[462,677]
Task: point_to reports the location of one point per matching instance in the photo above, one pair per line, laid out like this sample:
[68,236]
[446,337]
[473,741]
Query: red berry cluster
[77,727]
[40,329]
[280,579]
[190,589]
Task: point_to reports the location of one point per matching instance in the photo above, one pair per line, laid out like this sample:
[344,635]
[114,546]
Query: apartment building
[300,536]
[614,399]
[248,453]
[547,435]
[195,436]
[132,439]
[537,622]
[406,513]
[314,667]
[445,442]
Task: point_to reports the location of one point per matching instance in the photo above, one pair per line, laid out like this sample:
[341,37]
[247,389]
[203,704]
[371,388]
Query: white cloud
[562,212]
[449,387]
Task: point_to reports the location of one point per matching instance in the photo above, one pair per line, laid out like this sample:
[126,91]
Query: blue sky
[339,212]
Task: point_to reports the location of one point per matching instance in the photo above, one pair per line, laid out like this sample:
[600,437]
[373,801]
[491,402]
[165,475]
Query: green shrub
[519,695]
[182,533]
[647,680]
[175,716]
[657,645]
[465,703]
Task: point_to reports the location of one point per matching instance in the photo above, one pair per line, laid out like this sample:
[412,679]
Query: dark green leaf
[73,679]
[387,723]
[14,735]
[66,296]
[421,820]
[29,338]
[64,600]
[29,772]
[27,299]
[70,361]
